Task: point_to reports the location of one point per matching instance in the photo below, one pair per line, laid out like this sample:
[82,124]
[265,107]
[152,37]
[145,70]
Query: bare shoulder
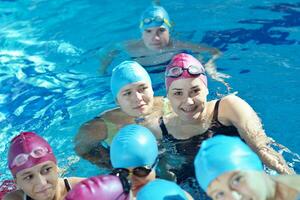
[290,180]
[15,195]
[159,101]
[117,116]
[231,99]
[132,45]
[233,103]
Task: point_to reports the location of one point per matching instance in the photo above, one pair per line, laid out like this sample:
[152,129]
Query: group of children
[219,142]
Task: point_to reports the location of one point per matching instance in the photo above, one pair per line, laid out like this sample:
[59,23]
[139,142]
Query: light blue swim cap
[126,73]
[155,16]
[221,154]
[133,146]
[160,189]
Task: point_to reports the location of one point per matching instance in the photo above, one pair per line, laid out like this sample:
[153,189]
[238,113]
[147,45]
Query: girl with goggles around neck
[134,154]
[34,168]
[156,47]
[196,119]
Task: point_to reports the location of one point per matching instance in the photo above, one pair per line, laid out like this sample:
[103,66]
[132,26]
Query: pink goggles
[22,158]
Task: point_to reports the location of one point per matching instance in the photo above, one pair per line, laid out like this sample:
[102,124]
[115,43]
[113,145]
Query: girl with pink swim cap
[196,119]
[34,168]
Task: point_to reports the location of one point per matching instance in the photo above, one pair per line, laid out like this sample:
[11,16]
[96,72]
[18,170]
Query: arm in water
[237,112]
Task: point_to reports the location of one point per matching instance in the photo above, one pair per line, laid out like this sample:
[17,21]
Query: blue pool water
[49,81]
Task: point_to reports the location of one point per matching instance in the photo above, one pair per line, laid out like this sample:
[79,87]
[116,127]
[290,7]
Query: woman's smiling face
[188,98]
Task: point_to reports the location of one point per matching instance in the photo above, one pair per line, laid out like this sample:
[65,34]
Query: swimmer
[134,154]
[156,48]
[104,187]
[34,168]
[160,189]
[237,173]
[132,90]
[196,119]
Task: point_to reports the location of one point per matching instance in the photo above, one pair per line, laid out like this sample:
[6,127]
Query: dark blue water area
[49,80]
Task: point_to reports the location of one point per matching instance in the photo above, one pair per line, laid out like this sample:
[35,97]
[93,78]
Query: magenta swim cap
[184,61]
[27,150]
[104,187]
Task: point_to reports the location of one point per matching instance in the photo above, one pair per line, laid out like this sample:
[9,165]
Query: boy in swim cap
[134,154]
[156,48]
[34,168]
[104,187]
[238,173]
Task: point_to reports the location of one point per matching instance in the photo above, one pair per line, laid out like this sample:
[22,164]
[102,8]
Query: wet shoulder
[116,116]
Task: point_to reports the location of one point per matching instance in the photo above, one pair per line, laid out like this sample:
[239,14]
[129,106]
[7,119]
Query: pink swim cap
[104,187]
[27,150]
[184,60]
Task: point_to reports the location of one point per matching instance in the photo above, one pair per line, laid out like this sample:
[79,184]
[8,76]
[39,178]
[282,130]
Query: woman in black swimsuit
[34,168]
[196,119]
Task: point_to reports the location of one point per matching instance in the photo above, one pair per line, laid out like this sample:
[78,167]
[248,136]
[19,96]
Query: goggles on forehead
[137,171]
[156,19]
[22,158]
[176,71]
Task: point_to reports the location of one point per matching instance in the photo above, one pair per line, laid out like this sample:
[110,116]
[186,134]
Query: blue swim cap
[104,187]
[160,189]
[221,154]
[155,16]
[133,146]
[126,73]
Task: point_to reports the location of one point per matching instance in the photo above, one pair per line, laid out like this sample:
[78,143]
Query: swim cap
[27,150]
[160,189]
[104,187]
[155,16]
[184,60]
[126,73]
[133,146]
[221,154]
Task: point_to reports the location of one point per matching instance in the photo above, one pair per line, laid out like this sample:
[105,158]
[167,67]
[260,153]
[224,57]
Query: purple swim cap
[104,187]
[184,61]
[27,150]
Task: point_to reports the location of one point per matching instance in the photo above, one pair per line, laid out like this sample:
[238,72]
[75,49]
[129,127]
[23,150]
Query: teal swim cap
[155,16]
[126,73]
[221,154]
[133,146]
[160,189]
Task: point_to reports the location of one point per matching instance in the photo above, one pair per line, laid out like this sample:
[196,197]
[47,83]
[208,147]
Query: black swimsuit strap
[216,112]
[67,184]
[163,127]
[28,197]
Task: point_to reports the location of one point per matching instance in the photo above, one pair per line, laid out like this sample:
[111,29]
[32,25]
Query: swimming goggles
[176,71]
[22,158]
[137,171]
[156,19]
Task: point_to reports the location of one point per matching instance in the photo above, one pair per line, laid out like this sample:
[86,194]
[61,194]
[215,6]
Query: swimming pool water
[49,81]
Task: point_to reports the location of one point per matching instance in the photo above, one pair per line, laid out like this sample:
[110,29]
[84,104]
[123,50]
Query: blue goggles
[156,20]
